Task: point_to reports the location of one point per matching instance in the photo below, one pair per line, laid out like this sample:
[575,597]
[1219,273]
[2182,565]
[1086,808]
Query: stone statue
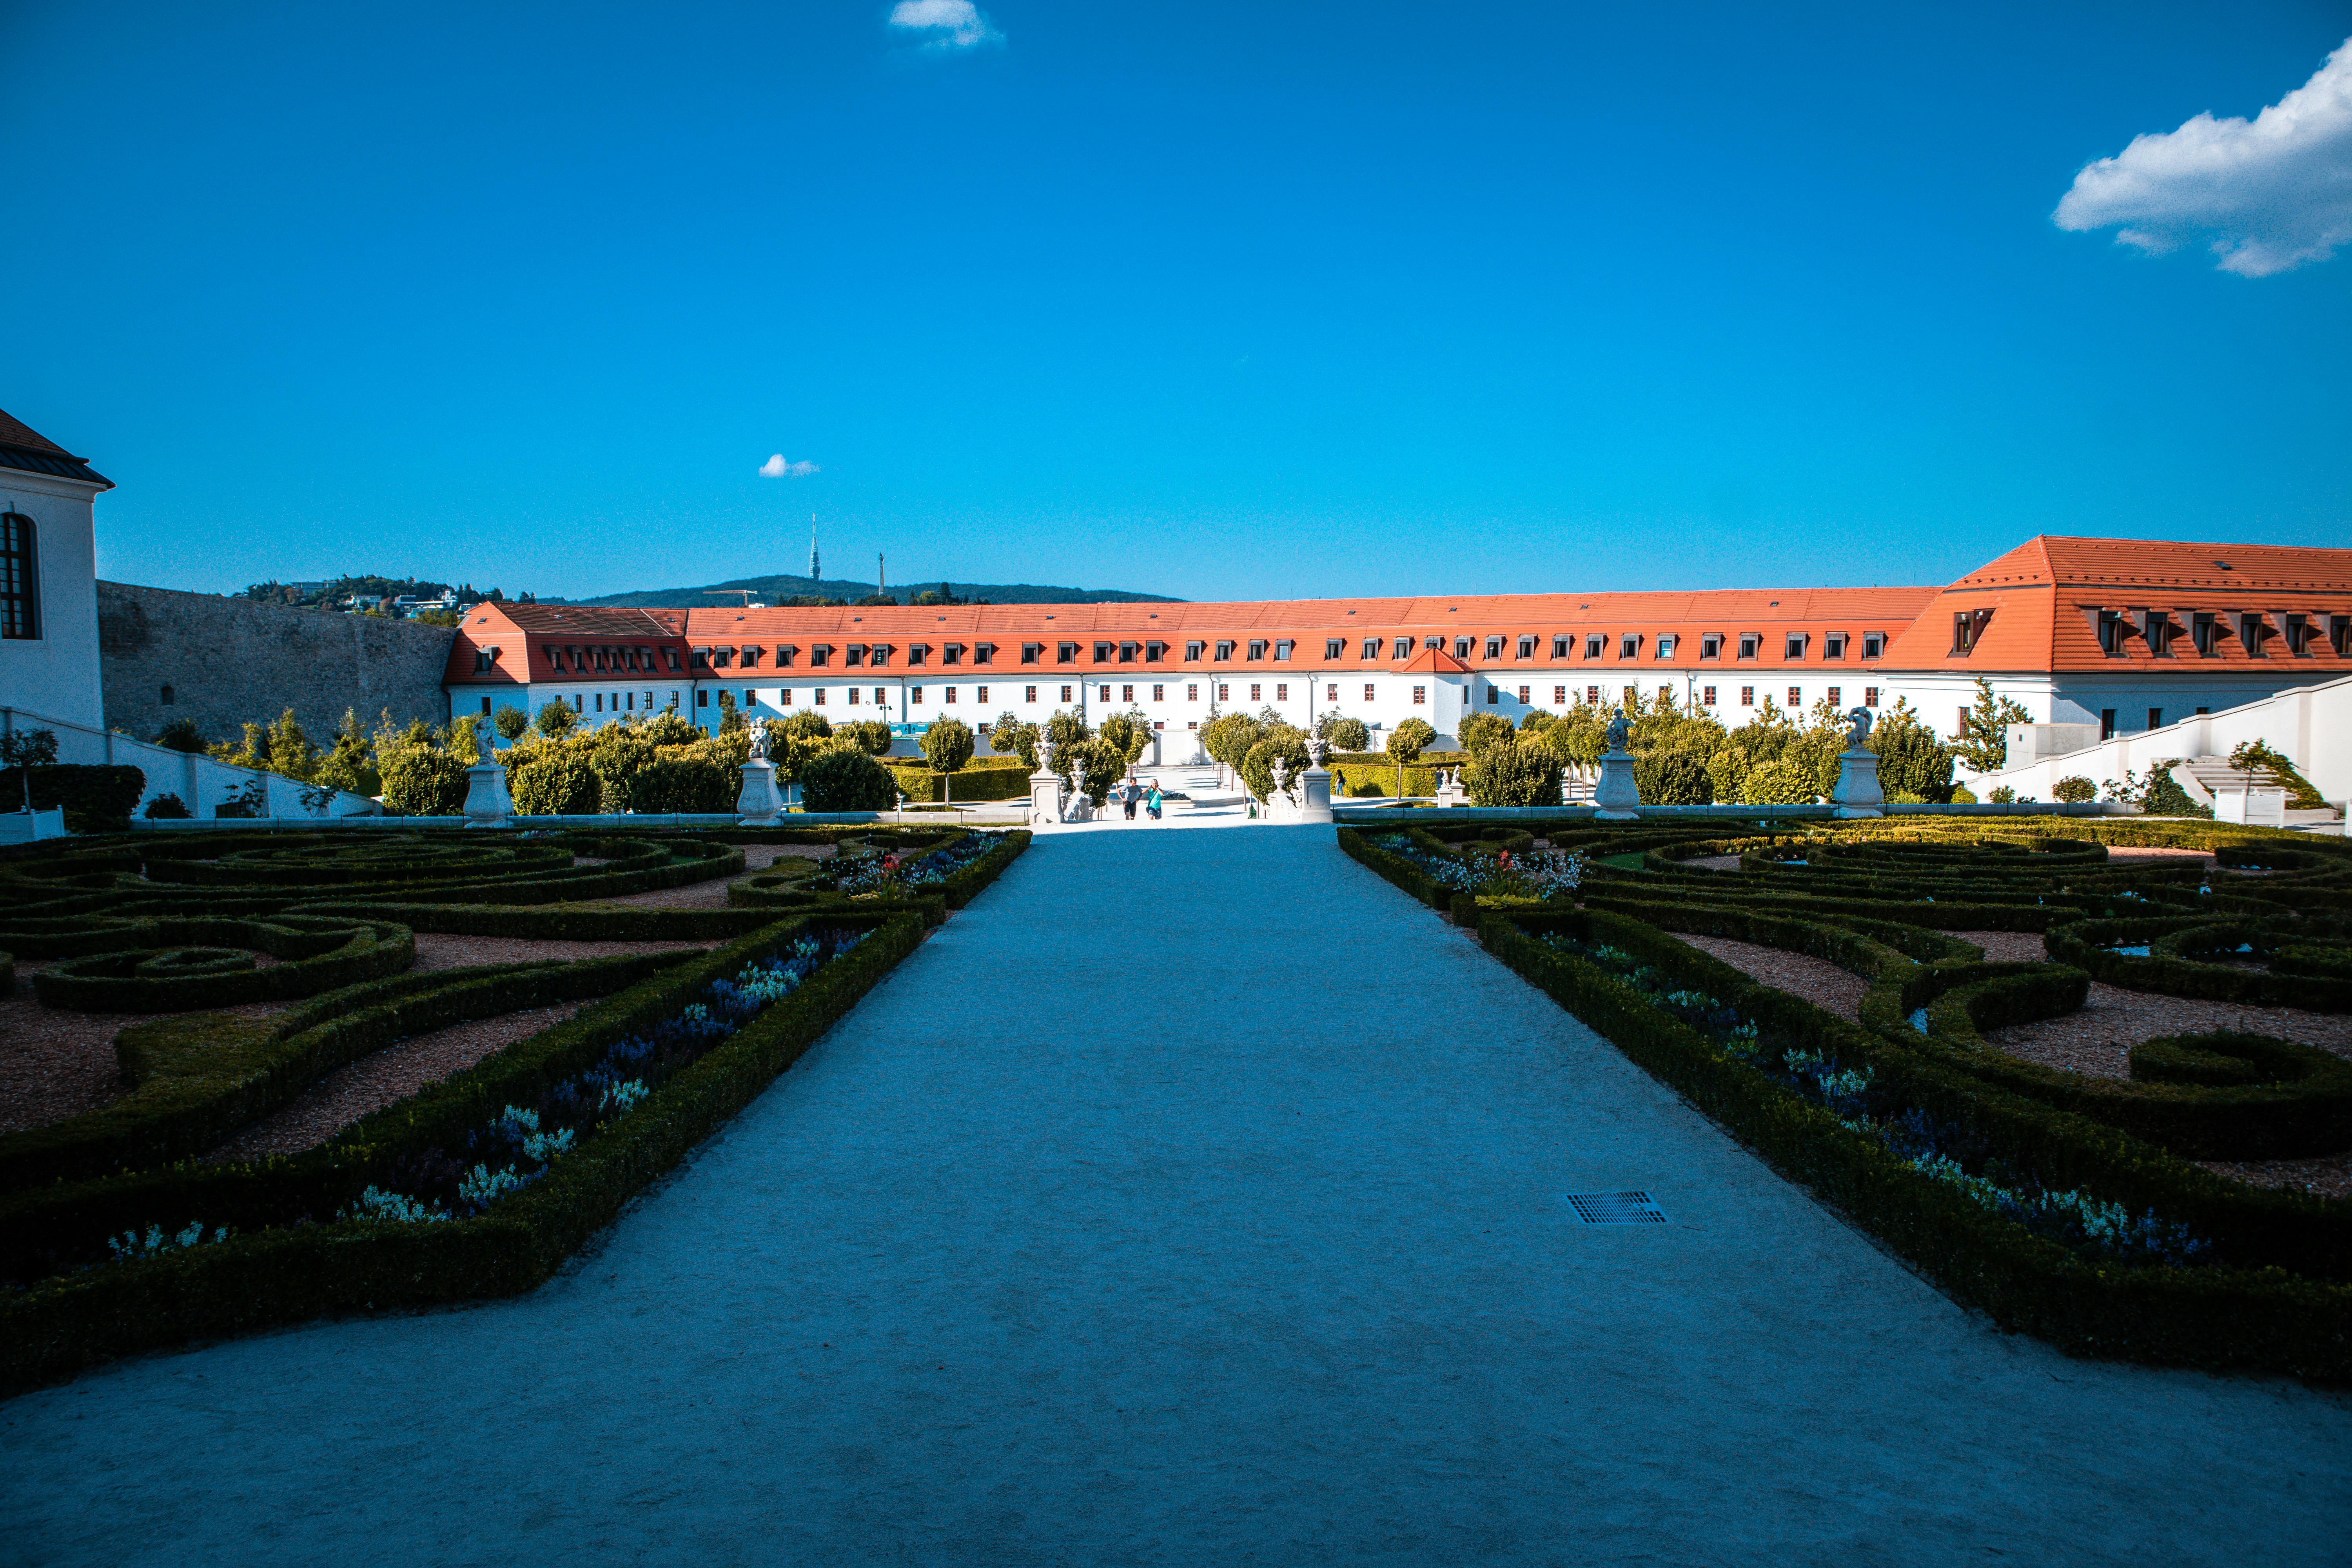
[1281,776]
[1619,729]
[1859,734]
[1044,753]
[485,747]
[759,742]
[1319,751]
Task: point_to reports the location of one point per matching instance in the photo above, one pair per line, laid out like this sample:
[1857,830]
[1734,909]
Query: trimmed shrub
[1511,771]
[167,808]
[679,782]
[1480,730]
[95,798]
[424,781]
[1673,778]
[559,782]
[1257,763]
[847,780]
[2075,789]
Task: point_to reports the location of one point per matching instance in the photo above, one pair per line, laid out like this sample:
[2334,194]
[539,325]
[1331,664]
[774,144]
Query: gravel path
[1258,1279]
[1818,981]
[713,894]
[438,950]
[375,1081]
[2097,1038]
[54,1063]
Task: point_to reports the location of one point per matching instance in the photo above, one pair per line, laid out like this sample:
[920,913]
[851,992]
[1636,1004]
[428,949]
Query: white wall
[57,672]
[201,783]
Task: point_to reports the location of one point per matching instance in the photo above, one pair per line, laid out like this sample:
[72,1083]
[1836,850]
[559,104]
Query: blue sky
[1224,300]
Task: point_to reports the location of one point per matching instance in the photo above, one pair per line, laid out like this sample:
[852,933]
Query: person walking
[1128,796]
[1152,802]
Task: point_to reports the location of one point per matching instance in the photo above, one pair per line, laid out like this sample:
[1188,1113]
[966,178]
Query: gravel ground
[2097,1038]
[1253,1293]
[375,1081]
[435,951]
[1822,983]
[2327,1177]
[2008,946]
[54,1063]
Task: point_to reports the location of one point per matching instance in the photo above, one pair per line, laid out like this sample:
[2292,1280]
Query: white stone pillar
[758,805]
[487,804]
[1617,795]
[1315,794]
[1044,797]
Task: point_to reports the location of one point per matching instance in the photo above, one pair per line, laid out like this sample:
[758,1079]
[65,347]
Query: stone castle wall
[228,662]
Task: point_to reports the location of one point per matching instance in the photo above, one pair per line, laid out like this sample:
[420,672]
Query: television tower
[815,566]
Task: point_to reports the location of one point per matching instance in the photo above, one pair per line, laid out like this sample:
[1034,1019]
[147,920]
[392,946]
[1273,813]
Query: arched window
[20,599]
[169,697]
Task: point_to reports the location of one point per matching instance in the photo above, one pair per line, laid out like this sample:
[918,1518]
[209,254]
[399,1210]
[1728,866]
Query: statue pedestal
[759,806]
[1315,794]
[487,804]
[1857,793]
[1044,797]
[1619,798]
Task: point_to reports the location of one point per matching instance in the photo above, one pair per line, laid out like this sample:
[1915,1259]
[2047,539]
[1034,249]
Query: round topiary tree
[847,780]
[806,722]
[1405,743]
[555,720]
[1480,730]
[558,782]
[1010,737]
[424,781]
[1343,734]
[947,746]
[872,735]
[511,721]
[1258,763]
[1512,771]
[2075,789]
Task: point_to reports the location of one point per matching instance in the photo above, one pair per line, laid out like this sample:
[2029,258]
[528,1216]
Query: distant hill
[779,590]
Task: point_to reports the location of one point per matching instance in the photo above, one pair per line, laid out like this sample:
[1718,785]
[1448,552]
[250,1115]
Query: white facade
[55,671]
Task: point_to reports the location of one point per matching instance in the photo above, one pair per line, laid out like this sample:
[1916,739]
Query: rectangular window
[20,578]
[913,697]
[1522,693]
[1031,651]
[1870,697]
[1254,690]
[1106,694]
[1751,645]
[951,654]
[1155,652]
[1419,695]
[1372,647]
[1127,652]
[2106,723]
[820,654]
[1837,697]
[1527,648]
[600,702]
[982,653]
[980,696]
[1559,696]
[1494,647]
[1747,697]
[784,698]
[1331,691]
[1032,696]
[1224,652]
[1707,696]
[1874,644]
[820,695]
[1257,648]
[1192,652]
[1224,692]
[1066,694]
[2156,717]
[1400,647]
[701,699]
[1796,700]
[1833,644]
[1794,647]
[1629,646]
[1593,696]
[853,695]
[1192,694]
[1559,647]
[1282,692]
[1282,650]
[1160,694]
[1127,694]
[1967,626]
[1666,645]
[1593,643]
[1065,653]
[951,695]
[1368,691]
[1461,648]
[1711,646]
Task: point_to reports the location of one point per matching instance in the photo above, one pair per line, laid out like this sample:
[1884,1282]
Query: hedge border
[55,1329]
[372,949]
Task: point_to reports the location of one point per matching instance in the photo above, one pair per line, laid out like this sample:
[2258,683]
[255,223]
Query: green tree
[556,781]
[1257,770]
[1340,732]
[1780,780]
[947,744]
[806,722]
[731,719]
[183,735]
[1983,741]
[847,781]
[1229,738]
[1129,734]
[1512,770]
[511,722]
[688,779]
[1479,731]
[352,764]
[1673,776]
[1010,737]
[872,735]
[556,719]
[424,781]
[1911,763]
[1405,743]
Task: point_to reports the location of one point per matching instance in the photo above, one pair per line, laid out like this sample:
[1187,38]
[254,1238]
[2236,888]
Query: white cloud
[776,468]
[947,24]
[2266,195]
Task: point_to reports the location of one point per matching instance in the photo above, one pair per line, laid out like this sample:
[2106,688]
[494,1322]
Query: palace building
[2123,634]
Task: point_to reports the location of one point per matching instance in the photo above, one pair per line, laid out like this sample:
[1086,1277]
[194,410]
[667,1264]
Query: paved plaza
[1192,1198]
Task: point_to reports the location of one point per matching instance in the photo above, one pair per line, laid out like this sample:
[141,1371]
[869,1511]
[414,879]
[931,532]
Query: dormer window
[1193,651]
[1710,645]
[1282,650]
[1751,645]
[1065,653]
[1629,644]
[481,661]
[951,654]
[1968,625]
[856,655]
[1494,647]
[1031,651]
[751,656]
[783,656]
[555,656]
[1257,648]
[1526,646]
[1833,644]
[918,654]
[1127,650]
[1155,652]
[2251,631]
[1667,644]
[720,658]
[1462,646]
[1102,653]
[1225,651]
[1560,645]
[881,659]
[1874,644]
[1437,643]
[1795,647]
[1593,643]
[1403,648]
[984,653]
[1335,648]
[785,653]
[820,655]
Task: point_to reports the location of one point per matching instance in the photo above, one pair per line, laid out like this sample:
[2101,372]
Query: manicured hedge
[203,963]
[2090,945]
[95,797]
[198,1077]
[2251,1313]
[288,1273]
[976,781]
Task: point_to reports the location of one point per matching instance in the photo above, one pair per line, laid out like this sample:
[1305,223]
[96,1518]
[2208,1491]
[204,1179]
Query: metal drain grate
[1616,1208]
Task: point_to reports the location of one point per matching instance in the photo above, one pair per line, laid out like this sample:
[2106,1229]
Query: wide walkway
[1193,1198]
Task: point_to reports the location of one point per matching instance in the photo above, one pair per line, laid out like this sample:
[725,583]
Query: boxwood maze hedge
[2063,1205]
